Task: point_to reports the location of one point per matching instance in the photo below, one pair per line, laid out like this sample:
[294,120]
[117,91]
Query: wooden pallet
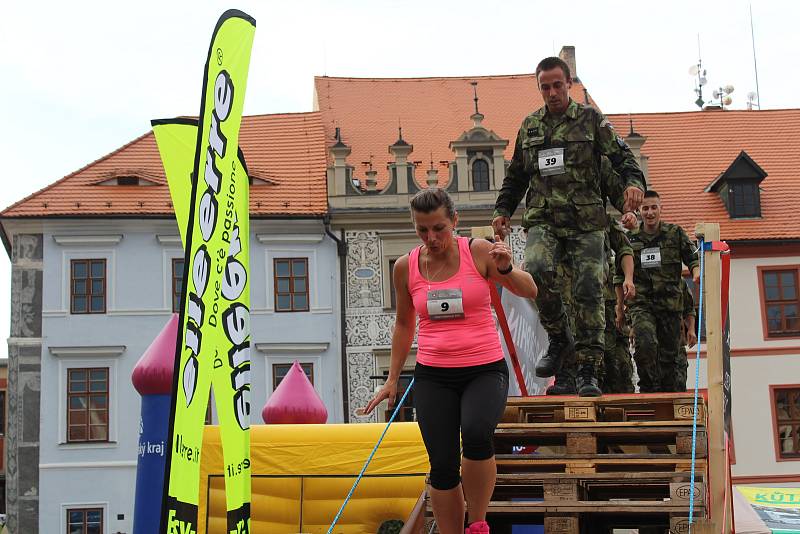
[561,489]
[589,463]
[642,437]
[609,408]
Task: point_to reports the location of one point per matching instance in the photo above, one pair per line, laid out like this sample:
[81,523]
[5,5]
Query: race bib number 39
[551,161]
[445,304]
[651,257]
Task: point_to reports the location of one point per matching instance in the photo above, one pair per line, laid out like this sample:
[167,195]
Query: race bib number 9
[445,304]
[551,161]
[651,257]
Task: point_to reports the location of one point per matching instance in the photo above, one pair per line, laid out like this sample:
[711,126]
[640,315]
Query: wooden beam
[717,459]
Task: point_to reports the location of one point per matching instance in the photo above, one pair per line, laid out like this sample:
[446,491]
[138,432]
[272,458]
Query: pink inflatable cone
[294,401]
[153,372]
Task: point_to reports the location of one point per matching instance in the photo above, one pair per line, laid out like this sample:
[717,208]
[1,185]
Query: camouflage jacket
[658,269]
[569,195]
[617,242]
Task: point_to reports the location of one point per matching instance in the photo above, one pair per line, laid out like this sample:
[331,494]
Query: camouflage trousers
[584,253]
[617,371]
[682,368]
[657,341]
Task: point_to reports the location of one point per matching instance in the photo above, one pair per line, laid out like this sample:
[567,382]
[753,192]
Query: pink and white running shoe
[478,527]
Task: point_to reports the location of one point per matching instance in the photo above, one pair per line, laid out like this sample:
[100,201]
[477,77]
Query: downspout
[341,250]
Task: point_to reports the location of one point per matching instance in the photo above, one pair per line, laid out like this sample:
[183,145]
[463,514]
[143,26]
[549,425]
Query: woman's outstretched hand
[388,391]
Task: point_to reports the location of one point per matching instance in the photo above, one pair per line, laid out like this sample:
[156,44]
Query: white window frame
[83,505]
[83,358]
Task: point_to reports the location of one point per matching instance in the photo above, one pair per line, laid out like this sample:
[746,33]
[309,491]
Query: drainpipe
[341,250]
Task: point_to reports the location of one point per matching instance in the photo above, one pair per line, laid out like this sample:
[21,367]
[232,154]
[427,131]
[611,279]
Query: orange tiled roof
[285,150]
[687,151]
[432,111]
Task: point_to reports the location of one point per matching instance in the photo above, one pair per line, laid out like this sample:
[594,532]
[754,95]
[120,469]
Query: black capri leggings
[453,401]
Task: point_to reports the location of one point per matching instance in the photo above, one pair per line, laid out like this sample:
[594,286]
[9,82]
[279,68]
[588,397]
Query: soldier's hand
[691,337]
[628,289]
[629,220]
[501,225]
[633,198]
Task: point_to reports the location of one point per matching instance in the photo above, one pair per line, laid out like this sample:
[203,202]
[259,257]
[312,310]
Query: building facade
[94,282]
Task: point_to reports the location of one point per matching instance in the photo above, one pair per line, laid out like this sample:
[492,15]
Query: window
[392,291]
[786,412]
[88,286]
[406,412]
[2,412]
[85,521]
[780,302]
[279,371]
[744,200]
[87,405]
[480,175]
[209,417]
[291,284]
[177,283]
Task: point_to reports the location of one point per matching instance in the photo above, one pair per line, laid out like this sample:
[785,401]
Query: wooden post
[720,501]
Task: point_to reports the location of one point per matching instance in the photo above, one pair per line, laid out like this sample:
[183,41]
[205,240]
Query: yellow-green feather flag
[213,344]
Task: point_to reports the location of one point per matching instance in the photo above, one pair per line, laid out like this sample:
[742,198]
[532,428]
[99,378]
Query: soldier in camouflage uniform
[557,161]
[688,336]
[657,310]
[615,367]
[618,367]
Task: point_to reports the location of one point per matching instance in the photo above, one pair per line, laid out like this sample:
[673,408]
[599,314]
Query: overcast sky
[79,79]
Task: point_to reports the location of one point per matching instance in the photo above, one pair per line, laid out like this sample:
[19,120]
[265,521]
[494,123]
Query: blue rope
[369,459]
[696,382]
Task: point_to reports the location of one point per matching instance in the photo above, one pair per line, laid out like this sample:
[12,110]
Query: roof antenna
[475,93]
[757,102]
[630,120]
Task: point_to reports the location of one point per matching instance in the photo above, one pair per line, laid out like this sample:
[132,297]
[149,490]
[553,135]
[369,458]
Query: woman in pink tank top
[461,378]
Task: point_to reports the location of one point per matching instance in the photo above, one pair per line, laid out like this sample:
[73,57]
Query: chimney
[568,55]
[372,181]
[635,141]
[400,150]
[433,177]
[337,180]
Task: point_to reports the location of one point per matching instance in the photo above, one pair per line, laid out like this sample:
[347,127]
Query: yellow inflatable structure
[301,475]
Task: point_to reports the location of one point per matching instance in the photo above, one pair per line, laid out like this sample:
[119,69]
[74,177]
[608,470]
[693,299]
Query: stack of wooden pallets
[586,465]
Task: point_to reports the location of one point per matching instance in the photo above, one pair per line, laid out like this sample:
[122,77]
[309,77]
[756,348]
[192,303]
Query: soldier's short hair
[431,199]
[650,193]
[549,63]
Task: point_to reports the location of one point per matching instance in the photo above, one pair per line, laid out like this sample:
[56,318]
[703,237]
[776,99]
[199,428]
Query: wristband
[508,270]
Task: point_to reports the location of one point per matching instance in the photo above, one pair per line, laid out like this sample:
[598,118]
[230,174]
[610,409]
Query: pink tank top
[455,339]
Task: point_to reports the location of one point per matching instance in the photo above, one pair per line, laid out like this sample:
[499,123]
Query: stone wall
[24,377]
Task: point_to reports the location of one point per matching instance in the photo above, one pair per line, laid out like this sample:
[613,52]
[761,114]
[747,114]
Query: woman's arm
[494,257]
[402,337]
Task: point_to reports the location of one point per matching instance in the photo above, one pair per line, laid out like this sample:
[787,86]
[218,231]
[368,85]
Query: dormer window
[480,175]
[738,187]
[125,178]
[128,180]
[744,200]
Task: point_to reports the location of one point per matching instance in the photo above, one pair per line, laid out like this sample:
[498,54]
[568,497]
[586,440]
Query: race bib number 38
[651,257]
[551,161]
[445,304]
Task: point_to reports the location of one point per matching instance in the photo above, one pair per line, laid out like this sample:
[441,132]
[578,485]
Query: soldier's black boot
[587,382]
[564,385]
[551,362]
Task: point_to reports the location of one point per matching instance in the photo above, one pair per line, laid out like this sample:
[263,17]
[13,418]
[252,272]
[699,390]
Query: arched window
[480,175]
